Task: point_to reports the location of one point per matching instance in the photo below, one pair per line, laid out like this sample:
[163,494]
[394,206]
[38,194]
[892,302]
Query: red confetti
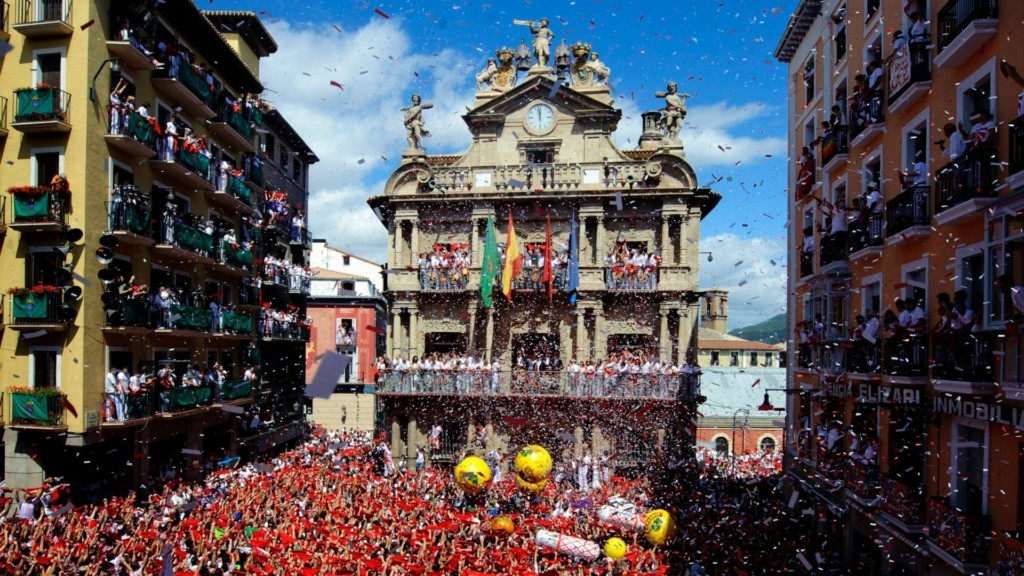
[87,24]
[334,83]
[381,13]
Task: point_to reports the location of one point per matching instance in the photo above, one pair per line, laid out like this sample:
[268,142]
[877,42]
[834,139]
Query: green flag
[490,265]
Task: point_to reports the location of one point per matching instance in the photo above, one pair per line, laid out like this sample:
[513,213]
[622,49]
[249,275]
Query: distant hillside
[771,331]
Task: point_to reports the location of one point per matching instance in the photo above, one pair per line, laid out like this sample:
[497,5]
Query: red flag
[548,278]
[375,330]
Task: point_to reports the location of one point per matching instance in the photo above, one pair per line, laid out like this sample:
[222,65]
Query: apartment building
[903,435]
[149,244]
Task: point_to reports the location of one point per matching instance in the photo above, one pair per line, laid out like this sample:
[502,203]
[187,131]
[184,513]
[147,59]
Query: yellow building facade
[906,441]
[101,196]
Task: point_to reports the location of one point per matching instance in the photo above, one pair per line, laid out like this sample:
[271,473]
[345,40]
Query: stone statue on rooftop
[674,112]
[542,36]
[414,125]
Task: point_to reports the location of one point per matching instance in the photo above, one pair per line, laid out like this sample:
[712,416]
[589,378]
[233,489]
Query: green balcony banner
[190,318]
[194,161]
[138,220]
[238,188]
[188,237]
[35,101]
[136,312]
[241,126]
[236,322]
[256,174]
[183,398]
[236,389]
[138,405]
[194,82]
[236,255]
[140,128]
[32,306]
[257,116]
[29,407]
[31,205]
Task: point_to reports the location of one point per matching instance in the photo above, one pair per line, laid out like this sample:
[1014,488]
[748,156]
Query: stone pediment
[539,88]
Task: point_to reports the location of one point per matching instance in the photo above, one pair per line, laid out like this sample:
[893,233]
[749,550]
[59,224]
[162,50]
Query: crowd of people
[631,268]
[445,267]
[328,508]
[128,394]
[287,273]
[290,323]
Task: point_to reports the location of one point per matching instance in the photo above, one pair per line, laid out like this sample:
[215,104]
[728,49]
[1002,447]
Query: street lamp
[767,406]
[746,414]
[115,66]
[710,257]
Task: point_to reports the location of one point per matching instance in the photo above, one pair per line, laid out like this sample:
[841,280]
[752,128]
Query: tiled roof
[708,339]
[325,274]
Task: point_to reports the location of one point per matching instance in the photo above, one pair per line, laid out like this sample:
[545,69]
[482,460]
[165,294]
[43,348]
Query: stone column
[664,339]
[399,258]
[390,335]
[412,438]
[474,242]
[489,336]
[599,250]
[414,252]
[600,337]
[581,335]
[414,331]
[472,326]
[685,328]
[396,437]
[666,247]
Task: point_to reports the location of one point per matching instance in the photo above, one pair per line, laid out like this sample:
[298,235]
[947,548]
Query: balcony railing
[444,279]
[3,113]
[272,329]
[866,114]
[37,310]
[964,356]
[908,67]
[235,255]
[908,209]
[248,295]
[957,15]
[40,205]
[834,143]
[902,502]
[862,479]
[897,356]
[234,323]
[631,278]
[965,179]
[42,104]
[865,236]
[135,126]
[42,407]
[129,211]
[965,537]
[834,248]
[905,355]
[253,168]
[532,279]
[561,383]
[300,236]
[1016,159]
[34,12]
[155,401]
[5,19]
[298,283]
[173,231]
[806,263]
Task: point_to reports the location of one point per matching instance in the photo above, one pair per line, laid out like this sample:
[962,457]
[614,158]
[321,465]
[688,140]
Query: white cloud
[743,266]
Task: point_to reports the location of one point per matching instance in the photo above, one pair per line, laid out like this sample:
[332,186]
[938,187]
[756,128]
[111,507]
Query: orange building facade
[908,443]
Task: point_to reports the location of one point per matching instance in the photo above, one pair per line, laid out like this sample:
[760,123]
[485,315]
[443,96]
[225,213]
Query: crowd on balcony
[179,526]
[631,268]
[445,267]
[129,303]
[150,389]
[284,216]
[288,324]
[345,338]
[217,231]
[280,271]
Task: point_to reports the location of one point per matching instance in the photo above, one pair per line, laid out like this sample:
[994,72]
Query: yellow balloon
[615,548]
[533,487]
[533,463]
[659,527]
[473,475]
[503,525]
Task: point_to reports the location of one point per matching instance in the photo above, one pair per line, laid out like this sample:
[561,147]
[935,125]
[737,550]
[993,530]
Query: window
[872,173]
[722,445]
[48,68]
[768,444]
[41,267]
[120,174]
[871,295]
[970,477]
[540,156]
[346,260]
[348,286]
[44,367]
[871,8]
[873,50]
[753,359]
[1005,256]
[975,96]
[971,275]
[46,164]
[809,132]
[839,31]
[915,275]
[714,358]
[768,360]
[269,144]
[809,80]
[916,141]
[734,358]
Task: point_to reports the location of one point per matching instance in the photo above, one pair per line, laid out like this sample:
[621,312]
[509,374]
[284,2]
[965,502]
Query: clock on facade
[540,118]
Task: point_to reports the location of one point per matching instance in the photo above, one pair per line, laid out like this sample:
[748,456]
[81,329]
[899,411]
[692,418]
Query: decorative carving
[503,76]
[674,112]
[587,68]
[653,170]
[486,76]
[542,36]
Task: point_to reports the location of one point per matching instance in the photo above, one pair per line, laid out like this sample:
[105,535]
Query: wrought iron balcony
[133,134]
[154,400]
[967,182]
[907,210]
[862,481]
[631,278]
[42,110]
[532,279]
[232,128]
[867,118]
[966,538]
[186,88]
[1016,159]
[38,308]
[910,74]
[835,144]
[905,355]
[964,362]
[272,329]
[444,279]
[37,407]
[43,18]
[870,236]
[903,503]
[557,383]
[834,248]
[39,208]
[963,27]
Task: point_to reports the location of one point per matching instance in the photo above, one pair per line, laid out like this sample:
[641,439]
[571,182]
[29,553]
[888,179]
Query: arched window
[768,444]
[721,445]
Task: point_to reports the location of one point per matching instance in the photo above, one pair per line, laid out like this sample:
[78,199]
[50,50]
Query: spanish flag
[513,260]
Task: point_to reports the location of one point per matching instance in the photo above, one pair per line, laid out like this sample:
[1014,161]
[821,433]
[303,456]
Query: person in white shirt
[110,391]
[956,147]
[170,138]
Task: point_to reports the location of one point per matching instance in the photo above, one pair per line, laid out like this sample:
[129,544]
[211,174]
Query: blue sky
[718,51]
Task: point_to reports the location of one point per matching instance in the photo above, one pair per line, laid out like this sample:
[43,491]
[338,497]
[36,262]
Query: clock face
[540,117]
